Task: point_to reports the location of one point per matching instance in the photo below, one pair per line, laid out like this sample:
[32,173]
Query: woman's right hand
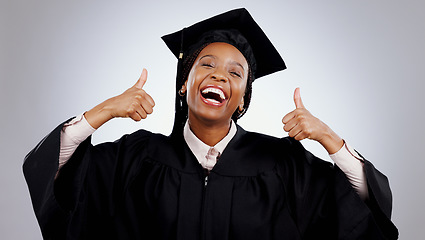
[134,103]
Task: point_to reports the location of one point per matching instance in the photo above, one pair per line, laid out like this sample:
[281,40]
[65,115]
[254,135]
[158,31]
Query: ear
[241,104]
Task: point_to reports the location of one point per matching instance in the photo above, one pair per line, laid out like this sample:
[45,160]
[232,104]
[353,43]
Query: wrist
[331,142]
[98,115]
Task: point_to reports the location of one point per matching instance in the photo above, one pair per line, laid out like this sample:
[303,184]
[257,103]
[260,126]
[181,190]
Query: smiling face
[216,84]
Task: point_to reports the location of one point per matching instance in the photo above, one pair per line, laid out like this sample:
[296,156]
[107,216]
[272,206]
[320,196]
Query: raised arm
[301,124]
[134,103]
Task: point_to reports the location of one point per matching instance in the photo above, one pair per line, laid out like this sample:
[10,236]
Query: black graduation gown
[150,186]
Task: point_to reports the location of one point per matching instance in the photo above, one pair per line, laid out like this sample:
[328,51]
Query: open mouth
[213,95]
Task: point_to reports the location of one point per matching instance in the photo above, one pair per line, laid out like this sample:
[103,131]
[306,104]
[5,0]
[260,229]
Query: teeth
[214,90]
[213,101]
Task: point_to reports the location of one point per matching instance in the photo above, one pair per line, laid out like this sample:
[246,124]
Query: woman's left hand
[301,124]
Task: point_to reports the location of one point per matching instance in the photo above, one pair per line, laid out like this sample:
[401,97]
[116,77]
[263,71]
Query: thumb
[142,80]
[297,98]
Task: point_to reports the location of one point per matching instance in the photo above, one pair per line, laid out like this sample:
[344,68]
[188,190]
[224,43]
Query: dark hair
[187,66]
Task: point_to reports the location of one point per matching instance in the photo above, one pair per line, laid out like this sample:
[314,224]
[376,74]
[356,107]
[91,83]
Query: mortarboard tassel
[179,114]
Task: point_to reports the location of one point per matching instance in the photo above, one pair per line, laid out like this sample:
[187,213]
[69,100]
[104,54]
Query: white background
[360,66]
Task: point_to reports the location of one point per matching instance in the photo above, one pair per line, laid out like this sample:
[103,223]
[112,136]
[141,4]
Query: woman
[209,179]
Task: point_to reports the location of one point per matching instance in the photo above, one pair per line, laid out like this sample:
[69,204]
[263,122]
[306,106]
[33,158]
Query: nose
[219,75]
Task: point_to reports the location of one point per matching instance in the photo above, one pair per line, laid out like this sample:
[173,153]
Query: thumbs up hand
[301,124]
[134,103]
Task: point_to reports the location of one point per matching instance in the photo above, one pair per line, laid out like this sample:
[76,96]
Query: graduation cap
[235,27]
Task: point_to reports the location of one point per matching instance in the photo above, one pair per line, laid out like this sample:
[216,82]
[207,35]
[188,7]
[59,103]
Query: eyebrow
[208,55]
[232,62]
[238,64]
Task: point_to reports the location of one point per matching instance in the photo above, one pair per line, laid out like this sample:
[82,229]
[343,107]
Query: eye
[208,65]
[236,74]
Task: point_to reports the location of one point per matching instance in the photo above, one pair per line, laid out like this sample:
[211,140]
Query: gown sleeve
[40,167]
[321,193]
[370,219]
[86,187]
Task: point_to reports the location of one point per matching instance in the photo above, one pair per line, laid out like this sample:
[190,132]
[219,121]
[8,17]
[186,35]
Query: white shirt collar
[201,150]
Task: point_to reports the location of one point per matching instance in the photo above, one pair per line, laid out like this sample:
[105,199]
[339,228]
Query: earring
[182,93]
[241,111]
